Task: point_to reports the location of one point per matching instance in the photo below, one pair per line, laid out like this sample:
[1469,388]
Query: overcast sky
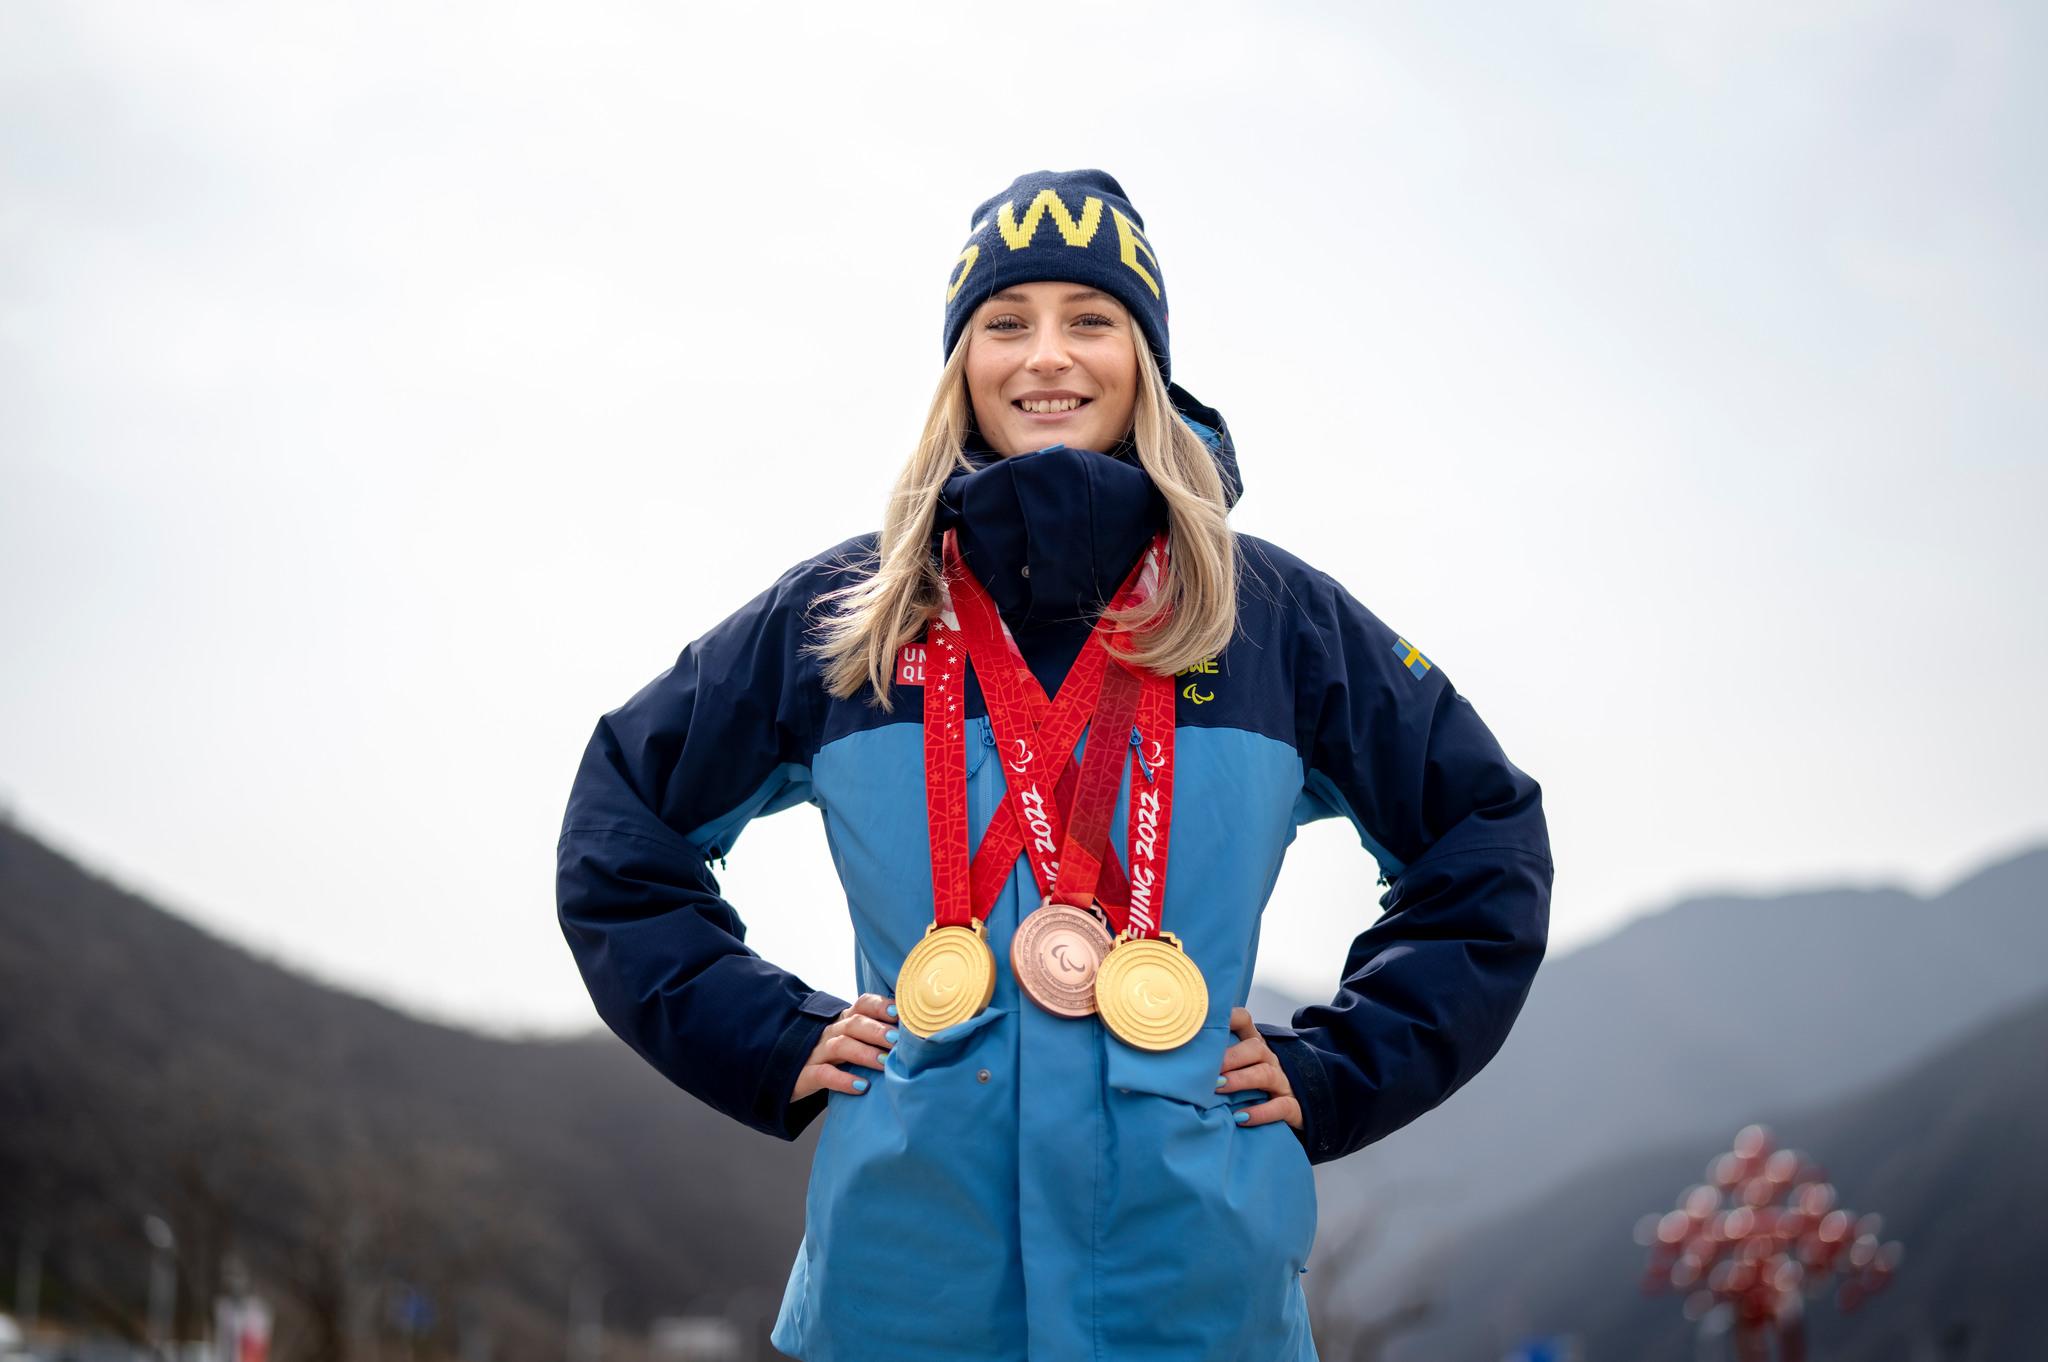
[387,390]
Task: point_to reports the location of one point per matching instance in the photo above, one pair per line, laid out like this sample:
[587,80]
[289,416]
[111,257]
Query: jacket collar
[1052,533]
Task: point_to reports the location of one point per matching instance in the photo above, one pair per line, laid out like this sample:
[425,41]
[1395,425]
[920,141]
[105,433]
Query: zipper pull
[988,731]
[1138,751]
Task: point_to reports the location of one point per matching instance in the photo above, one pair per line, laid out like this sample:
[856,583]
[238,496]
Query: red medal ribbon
[1032,754]
[1004,839]
[1067,831]
[1102,770]
[1151,809]
[945,777]
[991,869]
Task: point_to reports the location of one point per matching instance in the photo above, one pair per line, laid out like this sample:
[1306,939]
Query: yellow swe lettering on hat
[966,263]
[1076,233]
[1134,241]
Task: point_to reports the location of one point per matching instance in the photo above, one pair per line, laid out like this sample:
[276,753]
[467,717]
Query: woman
[1022,1179]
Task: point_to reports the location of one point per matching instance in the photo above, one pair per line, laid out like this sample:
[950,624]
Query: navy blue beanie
[1071,225]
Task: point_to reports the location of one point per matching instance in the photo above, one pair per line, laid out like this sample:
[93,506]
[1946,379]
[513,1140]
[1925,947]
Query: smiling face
[1052,363]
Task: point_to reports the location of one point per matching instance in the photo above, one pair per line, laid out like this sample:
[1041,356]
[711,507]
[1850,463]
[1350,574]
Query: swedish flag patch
[1411,657]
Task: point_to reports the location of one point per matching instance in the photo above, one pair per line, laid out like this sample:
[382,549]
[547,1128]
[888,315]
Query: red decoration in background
[1758,1239]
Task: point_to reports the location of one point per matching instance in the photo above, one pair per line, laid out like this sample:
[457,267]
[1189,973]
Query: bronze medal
[1055,954]
[1150,993]
[947,978]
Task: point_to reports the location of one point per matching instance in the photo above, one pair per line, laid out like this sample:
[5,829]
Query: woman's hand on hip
[1251,1064]
[862,1034]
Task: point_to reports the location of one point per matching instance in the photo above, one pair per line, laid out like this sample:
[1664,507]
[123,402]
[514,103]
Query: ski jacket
[1023,1186]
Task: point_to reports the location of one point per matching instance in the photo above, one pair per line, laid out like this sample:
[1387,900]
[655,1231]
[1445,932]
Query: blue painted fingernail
[861,1085]
[892,1009]
[1243,1116]
[1221,1080]
[893,1036]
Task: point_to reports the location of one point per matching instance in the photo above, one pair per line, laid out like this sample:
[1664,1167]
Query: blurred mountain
[346,1151]
[352,1155]
[1952,1153]
[1687,1021]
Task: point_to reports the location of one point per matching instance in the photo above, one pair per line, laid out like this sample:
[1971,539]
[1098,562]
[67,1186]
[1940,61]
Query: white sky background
[388,390]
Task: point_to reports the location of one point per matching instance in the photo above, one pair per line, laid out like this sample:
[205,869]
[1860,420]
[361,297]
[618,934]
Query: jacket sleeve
[1430,990]
[667,782]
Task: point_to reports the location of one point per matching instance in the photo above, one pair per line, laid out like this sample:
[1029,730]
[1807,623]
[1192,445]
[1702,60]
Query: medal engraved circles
[947,977]
[1055,954]
[1150,994]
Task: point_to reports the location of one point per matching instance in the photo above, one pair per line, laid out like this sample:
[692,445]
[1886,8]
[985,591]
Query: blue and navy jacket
[1021,1185]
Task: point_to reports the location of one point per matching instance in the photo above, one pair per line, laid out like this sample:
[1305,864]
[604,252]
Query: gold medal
[947,977]
[1055,954]
[1150,994]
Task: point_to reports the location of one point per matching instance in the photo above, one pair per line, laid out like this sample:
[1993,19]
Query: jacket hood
[1052,533]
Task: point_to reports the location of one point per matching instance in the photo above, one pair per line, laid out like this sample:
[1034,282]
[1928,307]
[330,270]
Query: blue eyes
[997,323]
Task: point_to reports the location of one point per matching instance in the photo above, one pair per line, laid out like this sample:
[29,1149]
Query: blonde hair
[891,605]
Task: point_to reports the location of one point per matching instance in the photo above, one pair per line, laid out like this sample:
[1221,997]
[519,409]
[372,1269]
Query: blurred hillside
[1952,1153]
[345,1152]
[1686,1023]
[352,1156]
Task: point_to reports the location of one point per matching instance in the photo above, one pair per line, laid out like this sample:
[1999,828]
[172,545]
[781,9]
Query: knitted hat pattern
[1073,225]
